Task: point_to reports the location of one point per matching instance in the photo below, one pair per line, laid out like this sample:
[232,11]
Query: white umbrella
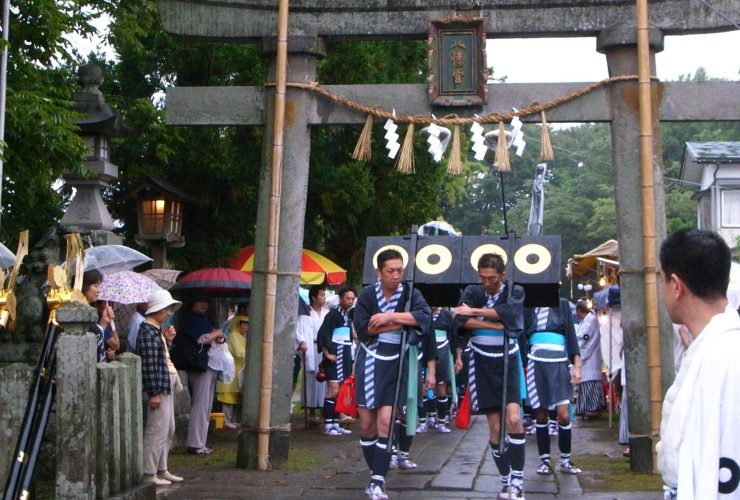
[109,259]
[437,228]
[7,258]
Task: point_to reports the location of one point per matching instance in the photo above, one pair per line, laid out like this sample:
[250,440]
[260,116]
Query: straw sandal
[569,468]
[545,469]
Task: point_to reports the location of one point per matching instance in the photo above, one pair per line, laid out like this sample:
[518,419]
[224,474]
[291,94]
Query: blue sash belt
[489,337]
[488,333]
[549,342]
[392,337]
[547,338]
[341,335]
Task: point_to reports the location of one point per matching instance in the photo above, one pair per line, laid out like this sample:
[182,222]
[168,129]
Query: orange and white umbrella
[315,268]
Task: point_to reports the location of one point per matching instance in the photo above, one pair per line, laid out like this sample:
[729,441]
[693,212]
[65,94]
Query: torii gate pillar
[619,43]
[303,54]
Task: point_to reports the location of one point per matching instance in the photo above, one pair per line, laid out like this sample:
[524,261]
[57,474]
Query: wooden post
[263,430]
[648,224]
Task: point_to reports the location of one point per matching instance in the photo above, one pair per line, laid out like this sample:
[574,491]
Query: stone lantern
[159,208]
[98,124]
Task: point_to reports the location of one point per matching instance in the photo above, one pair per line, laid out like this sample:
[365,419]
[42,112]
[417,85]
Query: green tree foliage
[219,166]
[41,140]
[579,192]
[349,200]
[579,198]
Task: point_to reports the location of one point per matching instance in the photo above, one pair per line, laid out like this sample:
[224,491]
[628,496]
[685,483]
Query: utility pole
[3,93]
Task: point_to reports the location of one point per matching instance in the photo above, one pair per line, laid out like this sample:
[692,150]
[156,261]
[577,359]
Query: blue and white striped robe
[377,359]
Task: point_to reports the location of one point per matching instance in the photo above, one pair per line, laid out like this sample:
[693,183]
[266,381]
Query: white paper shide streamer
[438,140]
[392,137]
[477,141]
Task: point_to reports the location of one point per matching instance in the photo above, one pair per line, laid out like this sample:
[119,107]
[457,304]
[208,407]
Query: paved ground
[455,466]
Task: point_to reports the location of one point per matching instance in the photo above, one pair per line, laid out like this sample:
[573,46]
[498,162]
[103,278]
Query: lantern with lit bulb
[159,207]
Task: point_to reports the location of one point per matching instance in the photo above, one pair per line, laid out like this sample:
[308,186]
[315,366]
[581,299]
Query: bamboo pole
[648,224]
[263,426]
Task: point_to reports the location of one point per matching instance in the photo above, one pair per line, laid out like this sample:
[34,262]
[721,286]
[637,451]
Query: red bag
[346,399]
[462,420]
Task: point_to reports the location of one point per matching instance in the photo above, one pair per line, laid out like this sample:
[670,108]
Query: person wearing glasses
[485,312]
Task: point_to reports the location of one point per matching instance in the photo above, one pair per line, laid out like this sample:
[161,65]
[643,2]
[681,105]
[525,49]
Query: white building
[714,168]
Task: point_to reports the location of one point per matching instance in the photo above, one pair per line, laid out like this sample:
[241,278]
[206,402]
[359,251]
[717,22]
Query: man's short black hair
[344,291]
[386,255]
[313,292]
[582,307]
[491,261]
[701,259]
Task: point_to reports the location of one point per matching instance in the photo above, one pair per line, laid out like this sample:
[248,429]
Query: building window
[730,208]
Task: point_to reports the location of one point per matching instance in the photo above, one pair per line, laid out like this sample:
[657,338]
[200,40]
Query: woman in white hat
[160,382]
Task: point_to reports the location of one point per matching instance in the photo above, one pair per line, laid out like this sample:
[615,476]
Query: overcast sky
[576,59]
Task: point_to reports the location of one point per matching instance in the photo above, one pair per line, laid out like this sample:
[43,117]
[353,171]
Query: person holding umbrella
[159,381]
[91,281]
[195,324]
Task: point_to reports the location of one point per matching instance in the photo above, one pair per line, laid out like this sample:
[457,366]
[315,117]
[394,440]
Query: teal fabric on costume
[452,378]
[547,338]
[412,390]
[487,332]
[522,382]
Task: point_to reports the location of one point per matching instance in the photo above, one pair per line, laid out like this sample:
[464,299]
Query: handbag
[462,420]
[346,402]
[189,355]
[321,373]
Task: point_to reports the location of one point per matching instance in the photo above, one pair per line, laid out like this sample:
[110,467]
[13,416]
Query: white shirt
[701,413]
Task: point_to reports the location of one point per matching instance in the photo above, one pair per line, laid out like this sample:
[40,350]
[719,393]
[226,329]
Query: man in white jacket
[699,448]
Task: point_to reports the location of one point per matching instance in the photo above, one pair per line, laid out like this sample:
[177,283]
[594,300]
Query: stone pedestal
[108,431]
[15,382]
[76,390]
[131,422]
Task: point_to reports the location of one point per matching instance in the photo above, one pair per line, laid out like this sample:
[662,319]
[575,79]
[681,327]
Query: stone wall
[98,426]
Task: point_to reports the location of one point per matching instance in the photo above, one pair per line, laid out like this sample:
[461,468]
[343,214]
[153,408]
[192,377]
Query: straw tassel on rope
[454,167]
[405,163]
[363,151]
[546,152]
[501,163]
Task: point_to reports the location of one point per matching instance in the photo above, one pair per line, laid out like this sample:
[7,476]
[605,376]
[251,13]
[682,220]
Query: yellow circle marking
[483,249]
[520,258]
[422,259]
[399,249]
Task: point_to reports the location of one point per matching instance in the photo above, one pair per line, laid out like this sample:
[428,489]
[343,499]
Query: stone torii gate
[312,27]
